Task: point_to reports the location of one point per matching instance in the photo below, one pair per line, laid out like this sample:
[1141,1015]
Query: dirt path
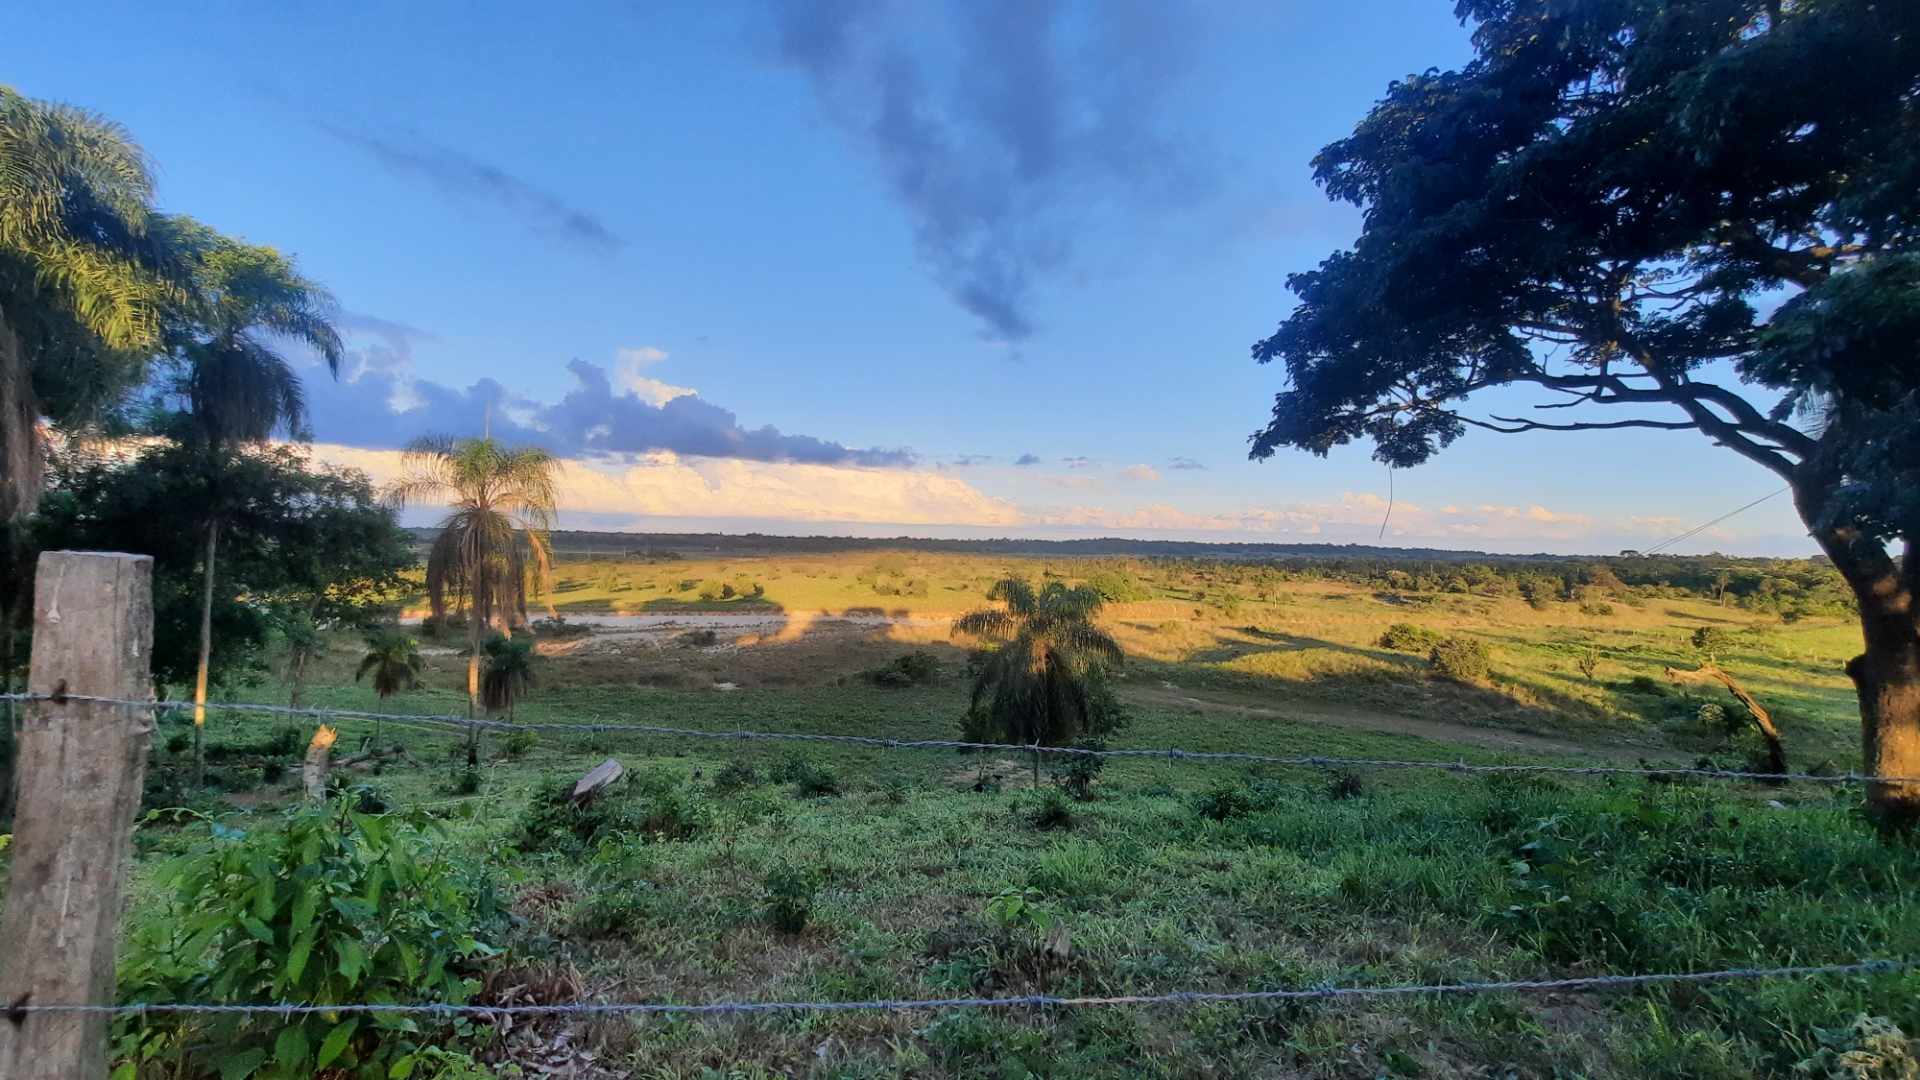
[1320,712]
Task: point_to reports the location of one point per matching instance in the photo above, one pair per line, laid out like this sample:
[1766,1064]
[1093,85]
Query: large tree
[1690,216]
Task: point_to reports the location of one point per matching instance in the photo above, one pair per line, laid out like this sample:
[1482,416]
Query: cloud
[1140,472]
[461,176]
[382,405]
[667,485]
[1076,462]
[968,461]
[1003,127]
[1025,460]
[1185,464]
[628,367]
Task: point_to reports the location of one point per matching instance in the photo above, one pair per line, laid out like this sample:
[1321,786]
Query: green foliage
[1224,801]
[1017,909]
[790,892]
[1050,811]
[646,807]
[735,775]
[1406,637]
[1463,660]
[292,535]
[507,673]
[1116,585]
[334,906]
[1077,773]
[1043,683]
[1712,641]
[909,669]
[1870,1048]
[393,659]
[519,743]
[1589,662]
[809,780]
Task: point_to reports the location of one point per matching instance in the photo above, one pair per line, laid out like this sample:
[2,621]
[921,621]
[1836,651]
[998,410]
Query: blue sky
[919,241]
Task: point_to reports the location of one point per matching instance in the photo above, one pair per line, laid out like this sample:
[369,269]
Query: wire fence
[1579,984]
[468,724]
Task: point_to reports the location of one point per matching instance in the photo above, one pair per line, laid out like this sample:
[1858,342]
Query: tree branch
[1520,424]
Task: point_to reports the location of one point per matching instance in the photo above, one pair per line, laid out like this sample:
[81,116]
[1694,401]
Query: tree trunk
[23,461]
[1711,672]
[1887,677]
[473,686]
[206,657]
[313,772]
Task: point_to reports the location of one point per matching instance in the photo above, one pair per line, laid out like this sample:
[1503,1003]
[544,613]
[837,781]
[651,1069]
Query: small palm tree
[492,550]
[1040,685]
[394,661]
[509,673]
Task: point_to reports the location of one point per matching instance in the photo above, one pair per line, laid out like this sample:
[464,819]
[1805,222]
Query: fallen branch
[1710,672]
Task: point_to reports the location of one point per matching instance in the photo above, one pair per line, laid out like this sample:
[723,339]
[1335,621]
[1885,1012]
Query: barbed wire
[1318,761]
[1042,1001]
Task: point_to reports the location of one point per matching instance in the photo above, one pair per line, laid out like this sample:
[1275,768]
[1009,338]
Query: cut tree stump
[603,774]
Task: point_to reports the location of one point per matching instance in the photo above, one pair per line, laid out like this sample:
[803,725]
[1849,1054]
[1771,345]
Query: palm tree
[246,302]
[509,672]
[1040,686]
[492,549]
[83,277]
[394,661]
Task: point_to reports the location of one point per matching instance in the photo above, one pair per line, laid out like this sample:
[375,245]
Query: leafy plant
[1870,1048]
[1017,909]
[1462,660]
[1406,637]
[790,893]
[735,775]
[1042,683]
[335,906]
[1050,812]
[910,669]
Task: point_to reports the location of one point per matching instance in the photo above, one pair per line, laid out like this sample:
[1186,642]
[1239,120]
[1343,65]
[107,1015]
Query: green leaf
[304,906]
[257,928]
[290,1049]
[334,1043]
[297,958]
[241,1065]
[401,1069]
[353,958]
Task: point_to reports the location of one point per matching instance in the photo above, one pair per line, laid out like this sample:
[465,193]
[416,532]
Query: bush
[1224,801]
[519,742]
[1051,812]
[558,628]
[790,893]
[808,779]
[1345,785]
[1870,1048]
[467,782]
[1601,608]
[1462,660]
[1710,641]
[910,669]
[735,775]
[336,906]
[1077,773]
[1406,637]
[698,638]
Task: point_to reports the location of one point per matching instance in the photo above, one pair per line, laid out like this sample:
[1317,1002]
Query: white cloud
[666,485]
[1140,472]
[629,374]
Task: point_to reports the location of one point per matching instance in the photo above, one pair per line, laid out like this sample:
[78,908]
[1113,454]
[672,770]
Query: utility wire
[1698,529]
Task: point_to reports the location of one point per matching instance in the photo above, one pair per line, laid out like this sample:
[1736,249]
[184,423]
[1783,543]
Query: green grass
[1290,877]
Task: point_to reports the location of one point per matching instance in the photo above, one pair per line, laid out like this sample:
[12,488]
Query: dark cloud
[1037,116]
[968,461]
[1185,464]
[375,344]
[1025,460]
[461,176]
[378,407]
[1076,462]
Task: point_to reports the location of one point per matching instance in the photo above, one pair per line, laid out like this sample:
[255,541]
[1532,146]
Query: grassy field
[767,870]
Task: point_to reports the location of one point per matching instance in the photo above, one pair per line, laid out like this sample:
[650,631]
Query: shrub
[1600,608]
[735,775]
[1051,812]
[179,742]
[1224,801]
[1406,637]
[790,892]
[909,669]
[1870,1048]
[1345,785]
[1462,660]
[467,782]
[558,628]
[807,778]
[336,906]
[519,742]
[1078,772]
[1589,663]
[698,638]
[1710,641]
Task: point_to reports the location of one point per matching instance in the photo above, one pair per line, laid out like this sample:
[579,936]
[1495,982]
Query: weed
[735,775]
[1051,811]
[789,898]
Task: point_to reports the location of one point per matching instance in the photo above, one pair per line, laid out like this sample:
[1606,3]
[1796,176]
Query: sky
[981,268]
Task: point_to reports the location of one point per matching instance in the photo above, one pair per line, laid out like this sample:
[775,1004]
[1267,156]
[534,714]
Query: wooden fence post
[81,766]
